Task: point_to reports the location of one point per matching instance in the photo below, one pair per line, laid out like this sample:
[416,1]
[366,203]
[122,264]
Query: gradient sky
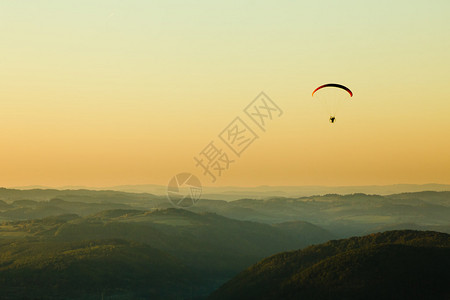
[103,93]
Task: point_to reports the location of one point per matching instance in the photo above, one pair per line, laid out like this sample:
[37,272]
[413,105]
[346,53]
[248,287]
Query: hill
[230,193]
[83,196]
[211,247]
[390,265]
[91,270]
[342,215]
[198,239]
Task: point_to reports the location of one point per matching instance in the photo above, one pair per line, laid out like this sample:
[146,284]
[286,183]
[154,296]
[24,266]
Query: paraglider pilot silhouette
[331,95]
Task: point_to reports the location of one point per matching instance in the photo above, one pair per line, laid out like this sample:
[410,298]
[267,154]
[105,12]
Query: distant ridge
[258,192]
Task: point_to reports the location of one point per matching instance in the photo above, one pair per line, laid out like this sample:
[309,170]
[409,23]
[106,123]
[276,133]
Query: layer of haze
[103,93]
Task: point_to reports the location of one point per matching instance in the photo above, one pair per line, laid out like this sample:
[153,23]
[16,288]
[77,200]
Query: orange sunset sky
[103,93]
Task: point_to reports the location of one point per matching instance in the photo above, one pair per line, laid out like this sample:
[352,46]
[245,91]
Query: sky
[104,93]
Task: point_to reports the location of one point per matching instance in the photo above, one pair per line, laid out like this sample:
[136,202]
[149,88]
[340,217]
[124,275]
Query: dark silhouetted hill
[389,265]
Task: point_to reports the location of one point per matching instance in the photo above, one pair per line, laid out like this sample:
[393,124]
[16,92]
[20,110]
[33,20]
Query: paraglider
[331,95]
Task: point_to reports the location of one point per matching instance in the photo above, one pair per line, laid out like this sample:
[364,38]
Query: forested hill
[135,254]
[90,270]
[389,265]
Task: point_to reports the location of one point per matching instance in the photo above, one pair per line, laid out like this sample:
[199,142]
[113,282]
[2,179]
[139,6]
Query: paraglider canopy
[331,96]
[334,85]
